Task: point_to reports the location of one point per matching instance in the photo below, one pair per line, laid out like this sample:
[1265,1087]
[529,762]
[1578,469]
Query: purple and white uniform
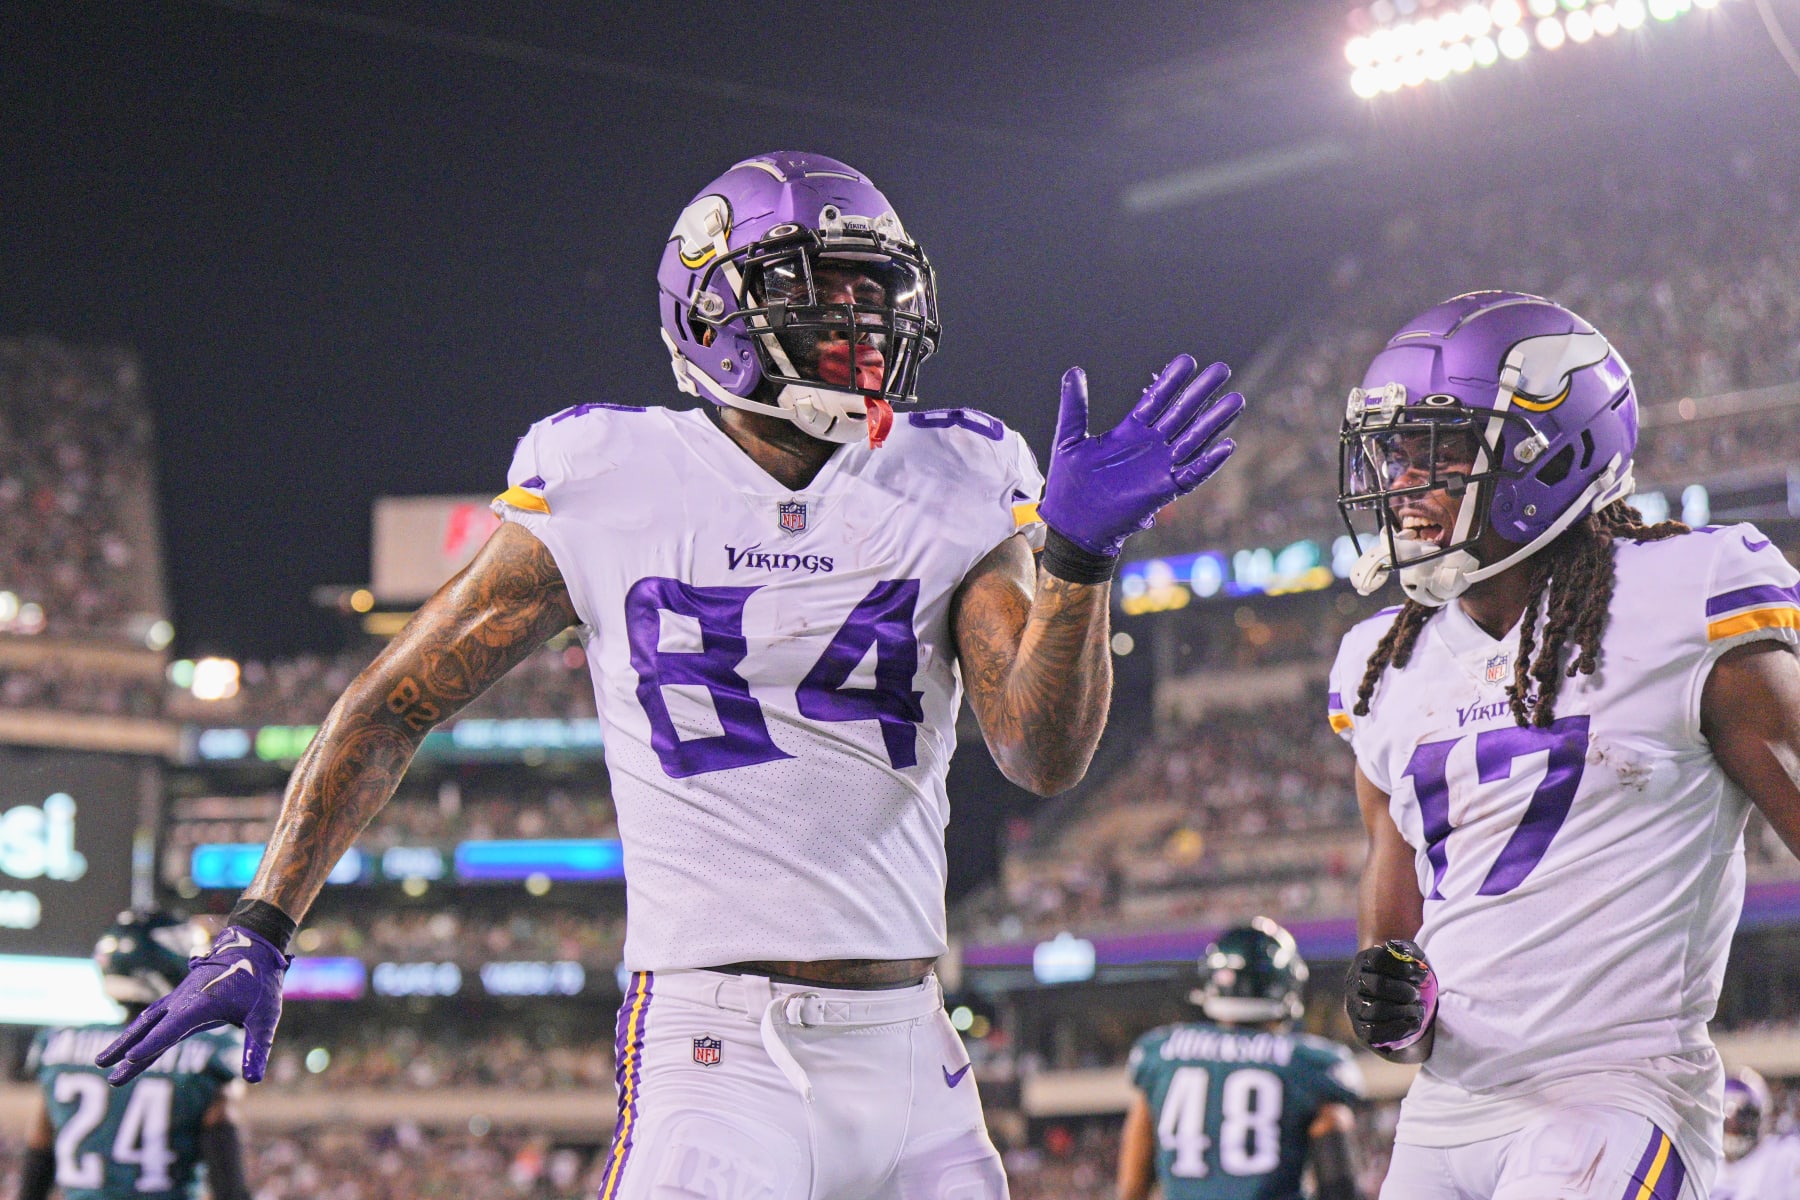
[778,687]
[1769,1172]
[1581,882]
[775,673]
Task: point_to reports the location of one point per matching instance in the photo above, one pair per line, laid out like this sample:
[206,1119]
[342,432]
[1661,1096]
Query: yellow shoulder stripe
[1747,622]
[1025,514]
[518,497]
[1339,722]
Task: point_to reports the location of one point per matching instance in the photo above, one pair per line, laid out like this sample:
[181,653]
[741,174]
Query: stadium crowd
[553,683]
[78,544]
[66,687]
[414,935]
[403,1057]
[1697,283]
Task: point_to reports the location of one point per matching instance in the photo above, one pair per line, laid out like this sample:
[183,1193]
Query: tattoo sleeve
[500,608]
[1035,660]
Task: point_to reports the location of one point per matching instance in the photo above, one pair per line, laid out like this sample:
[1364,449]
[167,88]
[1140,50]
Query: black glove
[1392,997]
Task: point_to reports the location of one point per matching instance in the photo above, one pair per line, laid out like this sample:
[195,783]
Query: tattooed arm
[500,608]
[1034,657]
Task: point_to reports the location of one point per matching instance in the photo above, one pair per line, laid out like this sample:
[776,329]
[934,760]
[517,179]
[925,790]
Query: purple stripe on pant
[1668,1180]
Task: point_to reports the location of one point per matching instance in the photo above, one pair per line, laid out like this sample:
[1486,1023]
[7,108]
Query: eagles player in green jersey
[1237,1106]
[142,1140]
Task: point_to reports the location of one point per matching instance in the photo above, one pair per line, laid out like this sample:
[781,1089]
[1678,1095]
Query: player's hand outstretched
[1103,489]
[1392,997]
[237,982]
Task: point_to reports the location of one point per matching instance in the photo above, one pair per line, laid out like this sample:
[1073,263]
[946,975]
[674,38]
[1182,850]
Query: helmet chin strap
[1436,583]
[825,413]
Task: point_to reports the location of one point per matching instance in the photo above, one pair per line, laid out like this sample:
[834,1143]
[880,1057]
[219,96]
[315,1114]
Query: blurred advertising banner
[420,541]
[66,826]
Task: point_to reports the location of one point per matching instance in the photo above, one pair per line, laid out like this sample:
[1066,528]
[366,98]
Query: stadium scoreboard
[67,825]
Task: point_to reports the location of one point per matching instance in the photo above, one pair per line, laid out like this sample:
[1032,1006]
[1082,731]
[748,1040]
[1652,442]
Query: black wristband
[265,921]
[1072,564]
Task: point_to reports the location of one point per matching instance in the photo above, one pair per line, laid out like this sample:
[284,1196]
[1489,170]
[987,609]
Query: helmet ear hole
[1557,469]
[1587,448]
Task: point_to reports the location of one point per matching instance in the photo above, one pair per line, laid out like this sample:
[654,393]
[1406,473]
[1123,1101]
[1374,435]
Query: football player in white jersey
[782,594]
[1760,1164]
[1557,739]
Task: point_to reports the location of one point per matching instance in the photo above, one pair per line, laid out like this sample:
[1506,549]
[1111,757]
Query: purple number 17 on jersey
[1495,752]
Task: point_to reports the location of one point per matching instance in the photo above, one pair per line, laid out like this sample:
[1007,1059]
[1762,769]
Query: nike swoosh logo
[242,964]
[951,1080]
[1753,547]
[239,942]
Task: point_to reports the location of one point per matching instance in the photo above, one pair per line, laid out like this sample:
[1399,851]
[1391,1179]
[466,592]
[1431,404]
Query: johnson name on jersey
[1581,882]
[1232,1106]
[775,672]
[140,1139]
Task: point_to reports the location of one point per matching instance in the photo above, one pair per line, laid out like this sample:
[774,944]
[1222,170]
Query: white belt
[776,1007]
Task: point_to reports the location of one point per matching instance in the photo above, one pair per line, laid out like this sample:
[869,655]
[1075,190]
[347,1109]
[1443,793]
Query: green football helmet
[145,954]
[1251,975]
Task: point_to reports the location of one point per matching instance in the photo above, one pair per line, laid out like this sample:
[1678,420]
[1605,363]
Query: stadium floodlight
[1580,26]
[1550,34]
[1485,52]
[1437,63]
[1359,51]
[1477,20]
[1574,5]
[1365,82]
[1631,13]
[1664,10]
[1507,12]
[1462,57]
[1514,43]
[1450,28]
[1542,8]
[1606,20]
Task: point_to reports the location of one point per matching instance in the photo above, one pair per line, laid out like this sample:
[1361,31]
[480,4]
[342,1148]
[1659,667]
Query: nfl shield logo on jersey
[793,516]
[708,1051]
[1496,667]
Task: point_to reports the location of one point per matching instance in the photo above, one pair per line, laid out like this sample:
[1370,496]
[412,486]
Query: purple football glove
[238,982]
[1101,490]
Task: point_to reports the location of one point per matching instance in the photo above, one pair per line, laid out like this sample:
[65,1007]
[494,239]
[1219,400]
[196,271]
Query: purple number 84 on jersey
[883,620]
[1496,750]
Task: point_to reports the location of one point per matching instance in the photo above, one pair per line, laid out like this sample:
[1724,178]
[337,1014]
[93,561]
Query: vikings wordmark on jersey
[1581,881]
[775,670]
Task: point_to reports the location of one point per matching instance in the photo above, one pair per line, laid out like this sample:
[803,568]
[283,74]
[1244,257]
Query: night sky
[361,246]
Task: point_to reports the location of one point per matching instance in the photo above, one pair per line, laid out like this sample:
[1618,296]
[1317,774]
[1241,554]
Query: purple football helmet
[1747,1107]
[1541,402]
[789,287]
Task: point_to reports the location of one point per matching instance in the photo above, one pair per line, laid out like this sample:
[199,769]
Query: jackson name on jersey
[775,671]
[1581,882]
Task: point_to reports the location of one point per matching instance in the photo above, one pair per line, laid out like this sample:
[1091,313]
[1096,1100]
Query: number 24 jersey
[775,671]
[142,1139]
[1581,882]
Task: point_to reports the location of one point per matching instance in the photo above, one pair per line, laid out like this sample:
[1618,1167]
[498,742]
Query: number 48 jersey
[1232,1107]
[1581,882]
[775,671]
[142,1139]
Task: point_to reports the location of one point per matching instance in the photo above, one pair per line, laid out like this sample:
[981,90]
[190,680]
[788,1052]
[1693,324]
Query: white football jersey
[1769,1172]
[1581,882]
[775,671]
